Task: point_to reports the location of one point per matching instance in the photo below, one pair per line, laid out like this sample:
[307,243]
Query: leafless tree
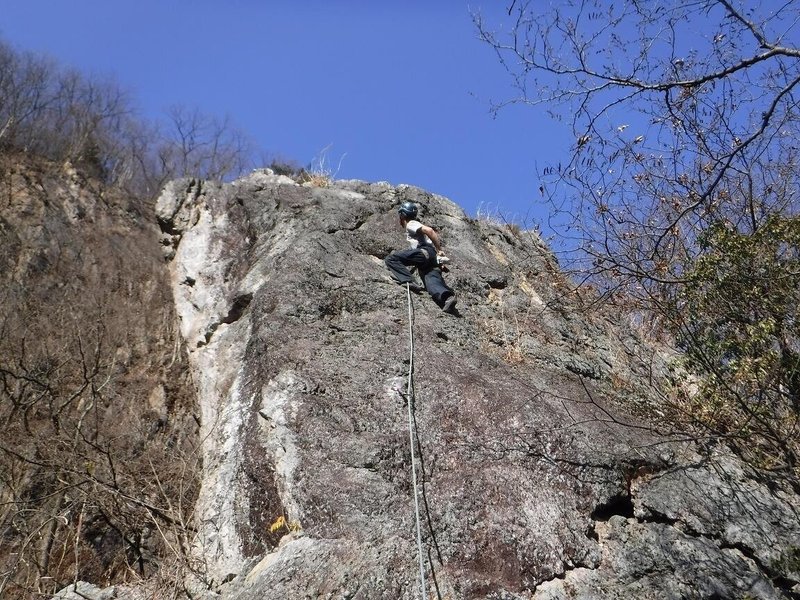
[684,118]
[98,456]
[682,113]
[93,484]
[203,146]
[62,114]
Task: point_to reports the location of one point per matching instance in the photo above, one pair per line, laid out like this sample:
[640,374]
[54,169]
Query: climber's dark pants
[424,259]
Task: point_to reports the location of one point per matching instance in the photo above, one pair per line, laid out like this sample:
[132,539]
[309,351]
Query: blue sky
[398,91]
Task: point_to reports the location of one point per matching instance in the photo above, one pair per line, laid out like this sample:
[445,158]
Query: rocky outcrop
[96,401]
[542,476]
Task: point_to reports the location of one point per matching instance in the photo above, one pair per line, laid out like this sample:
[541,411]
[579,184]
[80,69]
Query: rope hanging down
[410,402]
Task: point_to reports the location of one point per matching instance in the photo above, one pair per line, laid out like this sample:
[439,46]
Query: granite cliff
[547,471]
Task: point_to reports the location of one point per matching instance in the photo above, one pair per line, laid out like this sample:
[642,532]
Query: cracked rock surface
[542,476]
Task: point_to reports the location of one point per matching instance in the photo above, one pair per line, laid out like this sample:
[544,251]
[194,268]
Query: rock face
[541,476]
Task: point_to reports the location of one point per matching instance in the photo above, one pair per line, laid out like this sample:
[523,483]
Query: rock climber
[425,254]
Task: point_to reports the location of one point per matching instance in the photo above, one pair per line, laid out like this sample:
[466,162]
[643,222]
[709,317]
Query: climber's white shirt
[414,236]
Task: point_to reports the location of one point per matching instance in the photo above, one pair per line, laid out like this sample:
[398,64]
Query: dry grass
[321,173]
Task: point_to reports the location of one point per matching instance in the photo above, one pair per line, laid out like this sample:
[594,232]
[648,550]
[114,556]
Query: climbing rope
[410,402]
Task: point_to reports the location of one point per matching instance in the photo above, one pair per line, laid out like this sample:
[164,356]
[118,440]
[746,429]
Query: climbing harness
[410,402]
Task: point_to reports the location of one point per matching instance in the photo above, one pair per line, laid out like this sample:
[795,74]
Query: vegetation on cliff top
[64,115]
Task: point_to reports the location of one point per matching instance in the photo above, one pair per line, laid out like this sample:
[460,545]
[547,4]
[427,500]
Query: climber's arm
[433,236]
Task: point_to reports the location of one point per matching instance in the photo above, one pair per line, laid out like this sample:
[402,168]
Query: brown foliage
[98,469]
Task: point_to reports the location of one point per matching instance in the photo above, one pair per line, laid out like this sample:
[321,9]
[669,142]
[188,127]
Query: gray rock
[718,499]
[85,591]
[652,560]
[542,477]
